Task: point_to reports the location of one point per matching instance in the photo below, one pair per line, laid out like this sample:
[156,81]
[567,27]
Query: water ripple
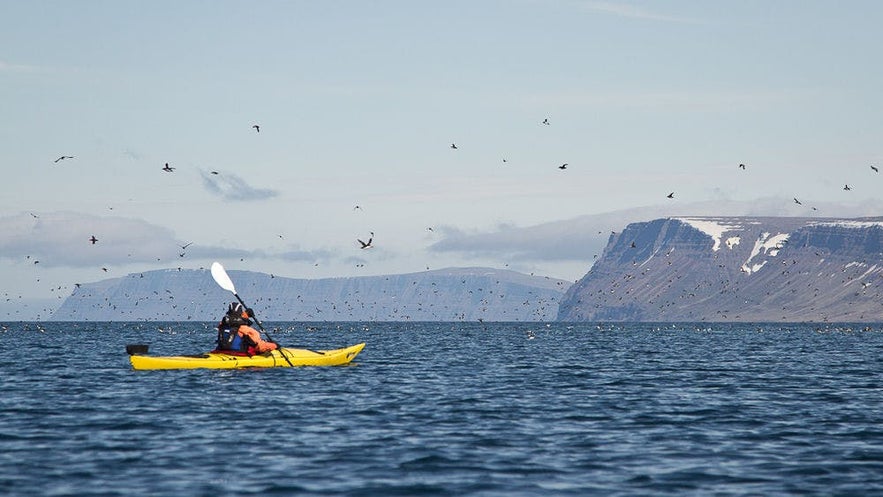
[450,409]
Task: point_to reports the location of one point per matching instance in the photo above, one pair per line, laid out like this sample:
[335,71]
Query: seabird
[546,121]
[63,157]
[875,169]
[184,247]
[741,166]
[368,243]
[454,146]
[797,202]
[214,172]
[671,195]
[93,239]
[847,188]
[563,166]
[257,128]
[167,168]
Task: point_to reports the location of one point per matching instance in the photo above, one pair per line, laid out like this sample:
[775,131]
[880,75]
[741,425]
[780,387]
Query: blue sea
[454,409]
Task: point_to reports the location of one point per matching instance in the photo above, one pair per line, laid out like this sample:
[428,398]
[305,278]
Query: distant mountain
[466,294]
[735,269]
[27,309]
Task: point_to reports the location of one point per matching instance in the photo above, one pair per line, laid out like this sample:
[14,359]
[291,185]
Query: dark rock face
[735,269]
[456,294]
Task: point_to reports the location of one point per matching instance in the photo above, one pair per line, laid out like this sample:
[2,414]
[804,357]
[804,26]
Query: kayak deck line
[275,358]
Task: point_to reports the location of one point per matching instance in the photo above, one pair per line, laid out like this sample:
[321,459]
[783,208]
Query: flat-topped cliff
[735,269]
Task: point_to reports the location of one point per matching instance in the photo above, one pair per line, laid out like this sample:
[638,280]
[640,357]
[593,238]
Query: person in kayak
[236,335]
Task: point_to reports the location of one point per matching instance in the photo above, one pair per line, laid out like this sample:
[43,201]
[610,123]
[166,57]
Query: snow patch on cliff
[764,245]
[715,228]
[849,224]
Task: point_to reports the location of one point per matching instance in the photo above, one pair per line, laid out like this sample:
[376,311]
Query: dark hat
[235,308]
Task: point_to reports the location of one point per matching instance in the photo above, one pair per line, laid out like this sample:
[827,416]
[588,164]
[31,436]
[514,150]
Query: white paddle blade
[221,277]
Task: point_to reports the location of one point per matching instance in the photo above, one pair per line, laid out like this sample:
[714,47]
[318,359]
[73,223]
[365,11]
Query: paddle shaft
[258,322]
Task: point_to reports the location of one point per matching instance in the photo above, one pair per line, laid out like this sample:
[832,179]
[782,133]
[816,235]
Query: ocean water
[498,409]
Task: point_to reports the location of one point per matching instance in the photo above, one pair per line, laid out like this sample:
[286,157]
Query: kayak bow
[273,359]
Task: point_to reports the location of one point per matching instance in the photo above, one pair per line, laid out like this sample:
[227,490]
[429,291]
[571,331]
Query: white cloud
[631,11]
[62,239]
[296,254]
[231,187]
[580,238]
[695,100]
[6,67]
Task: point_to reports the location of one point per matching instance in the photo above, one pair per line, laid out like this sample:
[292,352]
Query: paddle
[223,280]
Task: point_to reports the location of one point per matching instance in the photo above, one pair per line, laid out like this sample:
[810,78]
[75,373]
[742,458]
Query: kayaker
[236,335]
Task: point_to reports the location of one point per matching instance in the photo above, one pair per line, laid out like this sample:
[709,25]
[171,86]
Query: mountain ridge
[695,268]
[451,294]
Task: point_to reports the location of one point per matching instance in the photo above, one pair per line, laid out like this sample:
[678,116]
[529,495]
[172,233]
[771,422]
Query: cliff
[735,269]
[444,295]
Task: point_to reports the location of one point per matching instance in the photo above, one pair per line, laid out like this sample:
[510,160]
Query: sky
[358,105]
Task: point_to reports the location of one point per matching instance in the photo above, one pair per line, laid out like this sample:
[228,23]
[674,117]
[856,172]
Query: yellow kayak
[273,359]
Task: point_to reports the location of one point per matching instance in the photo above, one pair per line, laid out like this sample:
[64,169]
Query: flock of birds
[430,297]
[363,245]
[170,169]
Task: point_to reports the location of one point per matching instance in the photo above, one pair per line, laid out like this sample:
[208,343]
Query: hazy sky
[358,104]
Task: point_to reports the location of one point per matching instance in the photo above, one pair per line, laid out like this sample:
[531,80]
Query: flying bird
[257,128]
[214,172]
[875,169]
[167,168]
[563,166]
[847,188]
[671,195]
[454,146]
[546,121]
[93,239]
[797,202]
[63,157]
[184,247]
[742,166]
[366,244]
